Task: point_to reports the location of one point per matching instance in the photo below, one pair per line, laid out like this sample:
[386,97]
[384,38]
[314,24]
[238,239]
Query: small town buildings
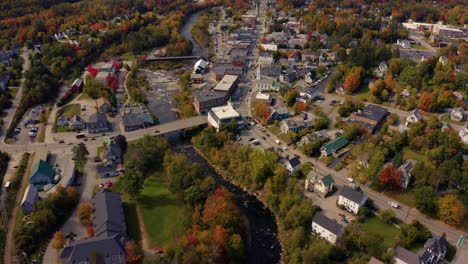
[293,165]
[457,114]
[295,124]
[352,199]
[264,97]
[265,58]
[42,173]
[434,251]
[332,147]
[280,113]
[318,183]
[222,116]
[413,117]
[223,69]
[293,57]
[200,66]
[273,71]
[103,105]
[110,233]
[197,78]
[204,100]
[269,47]
[98,123]
[406,169]
[371,117]
[403,256]
[30,197]
[404,43]
[75,122]
[464,134]
[265,85]
[383,67]
[322,134]
[227,84]
[135,121]
[309,56]
[326,228]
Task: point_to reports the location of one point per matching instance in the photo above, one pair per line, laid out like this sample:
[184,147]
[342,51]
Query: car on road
[256,142]
[69,143]
[351,180]
[157,131]
[344,220]
[393,204]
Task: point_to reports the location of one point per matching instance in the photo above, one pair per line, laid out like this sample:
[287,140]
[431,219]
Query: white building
[414,116]
[457,114]
[351,199]
[265,84]
[200,65]
[404,43]
[223,115]
[265,58]
[293,165]
[326,228]
[270,47]
[464,135]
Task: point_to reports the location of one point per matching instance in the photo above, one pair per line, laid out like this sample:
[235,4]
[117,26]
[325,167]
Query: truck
[393,204]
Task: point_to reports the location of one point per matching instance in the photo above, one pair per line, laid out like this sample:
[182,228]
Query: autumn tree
[131,253]
[90,230]
[427,102]
[261,112]
[450,209]
[85,213]
[58,242]
[352,81]
[93,71]
[390,178]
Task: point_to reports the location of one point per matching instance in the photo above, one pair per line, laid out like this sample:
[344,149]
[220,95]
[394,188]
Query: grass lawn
[406,197]
[364,93]
[13,91]
[377,226]
[41,136]
[446,118]
[61,129]
[409,154]
[71,110]
[164,216]
[277,132]
[100,149]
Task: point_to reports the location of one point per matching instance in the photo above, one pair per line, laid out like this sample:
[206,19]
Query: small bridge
[154,58]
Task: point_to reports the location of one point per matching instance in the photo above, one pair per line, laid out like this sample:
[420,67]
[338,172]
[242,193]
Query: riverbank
[222,174]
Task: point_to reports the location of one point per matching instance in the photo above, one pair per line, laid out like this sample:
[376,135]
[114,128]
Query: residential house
[197,78]
[458,95]
[383,67]
[30,197]
[280,113]
[98,124]
[457,114]
[110,234]
[222,115]
[443,60]
[289,76]
[332,147]
[318,183]
[76,122]
[4,79]
[406,169]
[352,199]
[309,93]
[293,57]
[322,135]
[326,228]
[405,93]
[42,173]
[293,165]
[112,159]
[272,71]
[77,85]
[309,56]
[265,58]
[413,117]
[135,121]
[103,105]
[371,117]
[295,124]
[464,134]
[435,249]
[403,256]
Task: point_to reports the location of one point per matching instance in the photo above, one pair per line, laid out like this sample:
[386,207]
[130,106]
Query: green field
[377,226]
[409,154]
[71,110]
[406,197]
[164,216]
[277,132]
[446,118]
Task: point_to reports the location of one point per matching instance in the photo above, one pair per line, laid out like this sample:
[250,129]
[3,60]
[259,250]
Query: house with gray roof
[293,165]
[296,124]
[457,114]
[352,199]
[326,228]
[30,197]
[434,250]
[406,169]
[413,117]
[112,157]
[98,123]
[110,234]
[135,121]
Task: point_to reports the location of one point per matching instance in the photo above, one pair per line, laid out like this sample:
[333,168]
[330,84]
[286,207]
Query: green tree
[133,181]
[425,200]
[388,216]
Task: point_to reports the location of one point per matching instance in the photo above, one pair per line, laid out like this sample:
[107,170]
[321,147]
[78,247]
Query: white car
[393,204]
[351,180]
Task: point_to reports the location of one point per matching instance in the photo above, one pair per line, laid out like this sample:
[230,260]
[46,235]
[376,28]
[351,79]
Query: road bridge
[154,58]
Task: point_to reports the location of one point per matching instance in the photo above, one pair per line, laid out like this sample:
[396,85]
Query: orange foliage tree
[390,178]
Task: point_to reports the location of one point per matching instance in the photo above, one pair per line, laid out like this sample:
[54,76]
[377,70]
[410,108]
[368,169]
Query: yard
[377,226]
[404,197]
[447,118]
[409,154]
[277,132]
[71,110]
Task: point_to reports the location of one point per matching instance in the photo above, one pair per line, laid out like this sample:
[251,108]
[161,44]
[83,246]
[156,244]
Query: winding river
[185,31]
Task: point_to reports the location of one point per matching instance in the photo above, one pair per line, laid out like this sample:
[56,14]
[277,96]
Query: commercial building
[227,84]
[223,115]
[371,117]
[204,100]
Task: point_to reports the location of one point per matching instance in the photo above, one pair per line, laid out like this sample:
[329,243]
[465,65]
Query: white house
[464,135]
[30,197]
[320,184]
[223,115]
[326,228]
[351,199]
[406,169]
[404,43]
[293,165]
[457,114]
[414,116]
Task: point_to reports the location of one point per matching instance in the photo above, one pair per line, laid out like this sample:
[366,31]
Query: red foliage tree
[352,82]
[117,66]
[427,101]
[390,178]
[220,236]
[115,83]
[302,107]
[263,40]
[132,256]
[90,230]
[93,71]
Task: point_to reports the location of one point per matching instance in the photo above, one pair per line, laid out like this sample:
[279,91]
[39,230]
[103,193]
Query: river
[185,31]
[263,247]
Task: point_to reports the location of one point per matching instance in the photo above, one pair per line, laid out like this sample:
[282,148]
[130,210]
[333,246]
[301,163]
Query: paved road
[11,111]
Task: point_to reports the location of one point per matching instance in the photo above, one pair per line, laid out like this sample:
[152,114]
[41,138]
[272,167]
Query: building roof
[44,168]
[137,119]
[201,63]
[327,223]
[294,162]
[30,195]
[265,81]
[406,256]
[97,119]
[263,96]
[225,112]
[335,145]
[226,83]
[273,70]
[416,113]
[328,180]
[208,95]
[108,214]
[373,112]
[113,150]
[352,194]
[374,261]
[77,82]
[434,246]
[102,100]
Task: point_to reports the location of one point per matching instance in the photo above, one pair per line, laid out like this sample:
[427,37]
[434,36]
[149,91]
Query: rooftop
[225,112]
[207,95]
[42,167]
[373,112]
[406,256]
[226,83]
[328,224]
[352,194]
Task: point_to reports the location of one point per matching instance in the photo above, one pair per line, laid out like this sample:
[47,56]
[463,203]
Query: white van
[393,204]
[7,184]
[351,180]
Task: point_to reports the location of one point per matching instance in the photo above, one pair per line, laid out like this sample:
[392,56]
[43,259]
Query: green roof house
[41,174]
[333,146]
[318,183]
